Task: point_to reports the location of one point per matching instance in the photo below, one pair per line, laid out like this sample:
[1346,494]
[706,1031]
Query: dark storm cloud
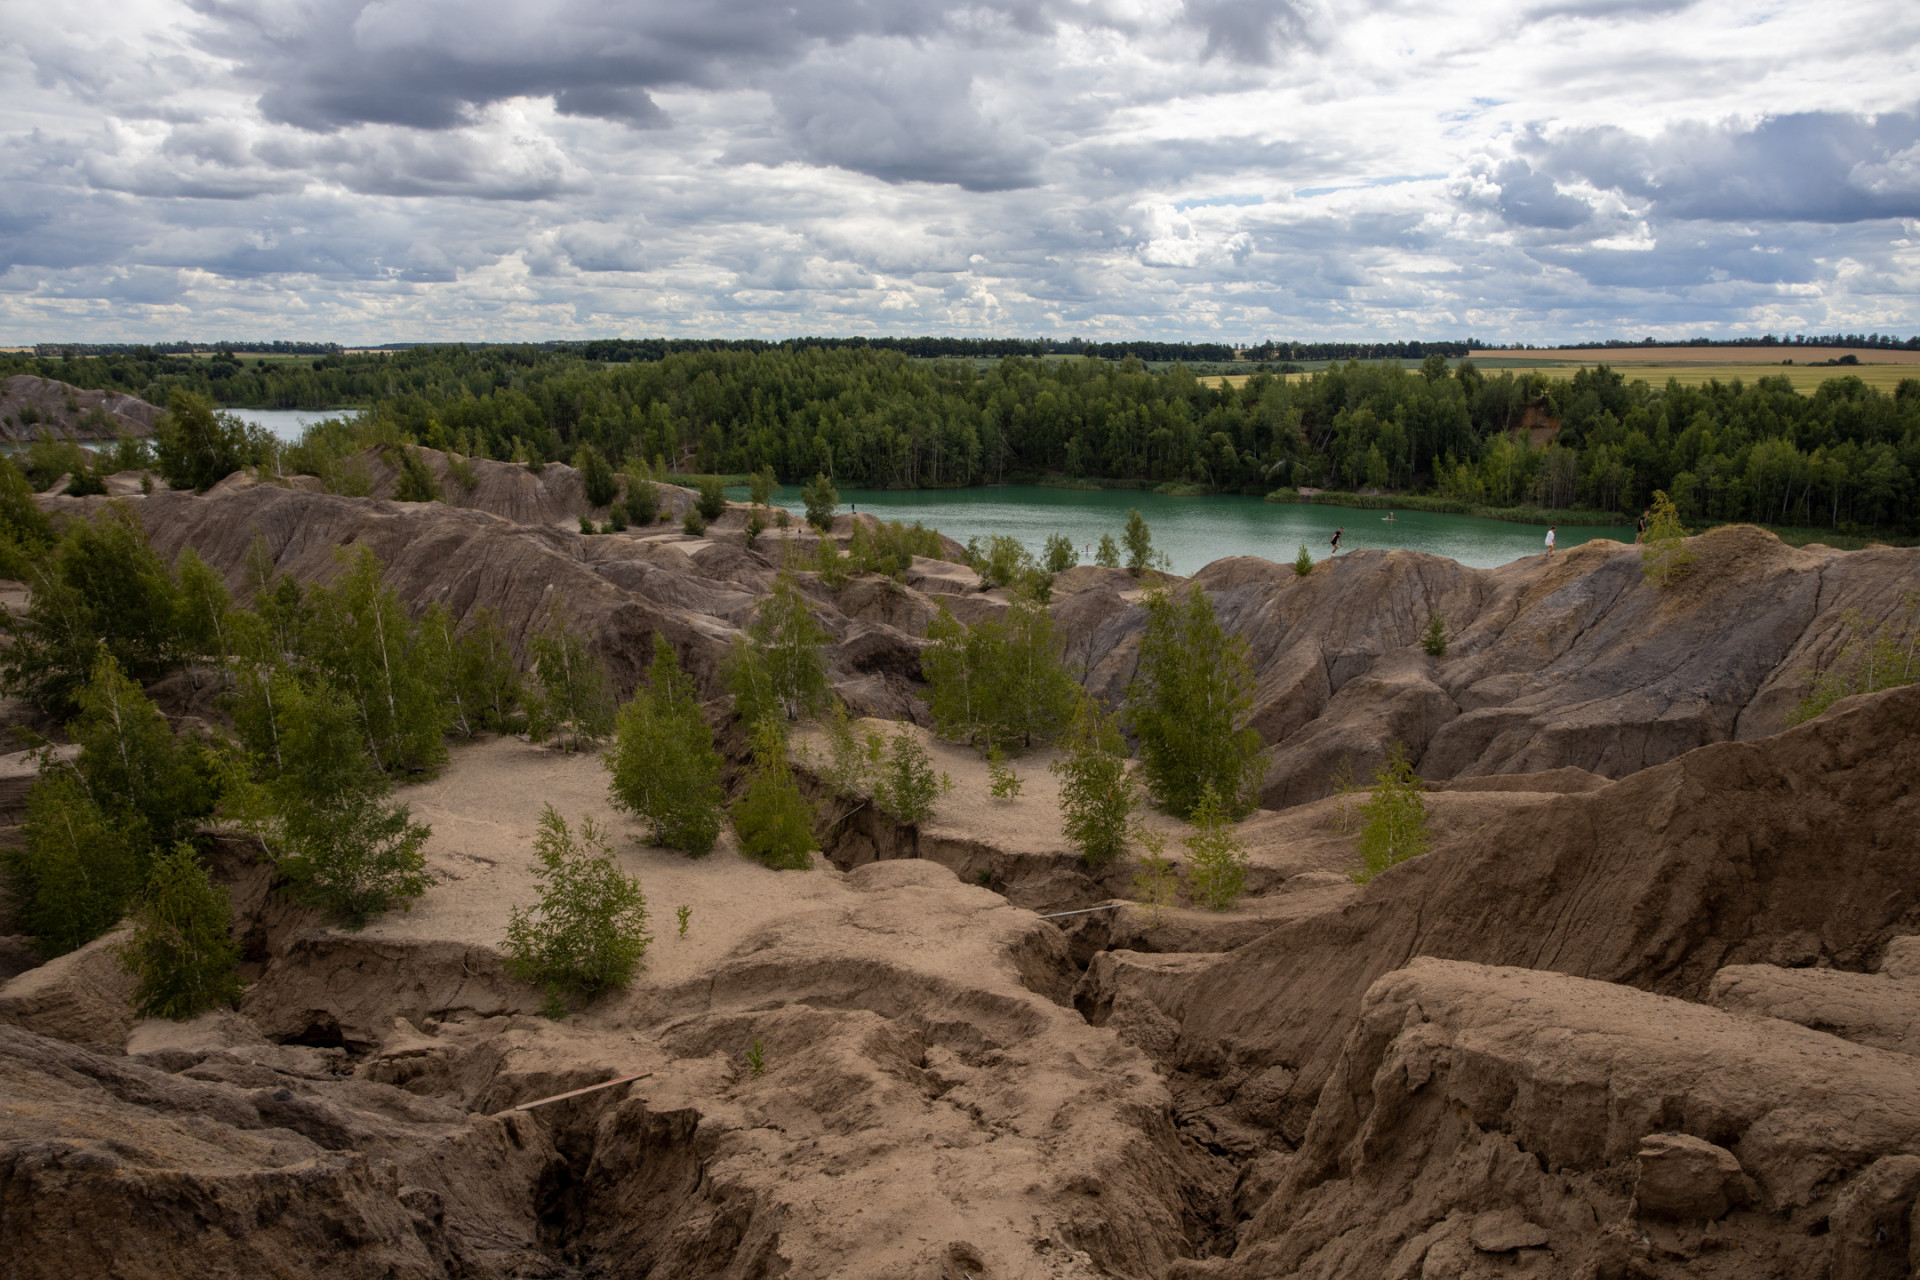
[1813,167]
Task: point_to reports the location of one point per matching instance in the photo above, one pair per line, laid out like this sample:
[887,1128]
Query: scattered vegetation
[664,765]
[1098,792]
[1061,555]
[1872,657]
[821,500]
[1001,680]
[1394,819]
[181,950]
[778,667]
[905,788]
[576,703]
[1156,884]
[756,1058]
[1187,704]
[772,819]
[683,913]
[1664,557]
[588,931]
[1216,858]
[1002,782]
[1434,638]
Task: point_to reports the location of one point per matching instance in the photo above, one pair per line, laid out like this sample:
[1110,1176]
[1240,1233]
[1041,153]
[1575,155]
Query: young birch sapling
[181,950]
[1216,858]
[588,931]
[772,819]
[663,764]
[1098,793]
[1394,820]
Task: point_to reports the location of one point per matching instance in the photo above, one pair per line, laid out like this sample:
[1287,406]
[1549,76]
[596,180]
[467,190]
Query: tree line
[1845,456]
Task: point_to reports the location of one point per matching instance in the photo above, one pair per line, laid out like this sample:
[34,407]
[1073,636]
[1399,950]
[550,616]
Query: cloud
[1807,167]
[398,169]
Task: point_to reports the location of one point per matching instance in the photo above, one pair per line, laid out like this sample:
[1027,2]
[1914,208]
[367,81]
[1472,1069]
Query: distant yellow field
[1804,378]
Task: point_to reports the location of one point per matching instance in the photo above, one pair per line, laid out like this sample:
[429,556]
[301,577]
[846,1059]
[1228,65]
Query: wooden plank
[574,1093]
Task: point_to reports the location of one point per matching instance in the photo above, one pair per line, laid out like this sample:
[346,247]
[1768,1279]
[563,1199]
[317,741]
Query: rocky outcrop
[1480,1118]
[1554,662]
[1794,850]
[31,405]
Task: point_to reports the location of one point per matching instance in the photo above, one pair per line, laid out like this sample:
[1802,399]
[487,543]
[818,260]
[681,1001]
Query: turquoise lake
[1197,531]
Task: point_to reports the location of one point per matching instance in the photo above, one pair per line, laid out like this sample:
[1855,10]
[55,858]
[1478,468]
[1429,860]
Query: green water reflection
[1196,531]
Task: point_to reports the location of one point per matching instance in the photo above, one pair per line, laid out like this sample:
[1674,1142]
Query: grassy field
[1884,376]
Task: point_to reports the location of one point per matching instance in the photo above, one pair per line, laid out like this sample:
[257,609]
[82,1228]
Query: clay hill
[30,405]
[1646,1008]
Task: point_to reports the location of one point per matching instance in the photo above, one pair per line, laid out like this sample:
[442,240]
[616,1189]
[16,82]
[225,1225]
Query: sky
[369,171]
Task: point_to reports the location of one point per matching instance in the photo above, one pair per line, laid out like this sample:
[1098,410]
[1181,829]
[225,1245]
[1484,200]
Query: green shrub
[345,850]
[1394,821]
[643,495]
[461,469]
[906,788]
[413,481]
[1155,885]
[361,640]
[821,499]
[663,762]
[1303,563]
[829,565]
[712,502]
[1098,792]
[1001,679]
[575,697]
[762,486]
[1664,557]
[756,525]
[1108,554]
[182,951]
[154,786]
[693,524]
[779,667]
[1193,688]
[1434,639]
[75,870]
[587,527]
[772,819]
[1002,782]
[100,585]
[616,518]
[596,477]
[1216,858]
[197,448]
[853,758]
[588,931]
[1002,562]
[1061,554]
[484,680]
[1884,655]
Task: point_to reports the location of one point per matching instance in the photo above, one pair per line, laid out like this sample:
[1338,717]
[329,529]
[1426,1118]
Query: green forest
[1846,457]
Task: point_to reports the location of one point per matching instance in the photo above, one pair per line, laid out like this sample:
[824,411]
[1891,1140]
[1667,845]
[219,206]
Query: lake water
[1196,531]
[287,424]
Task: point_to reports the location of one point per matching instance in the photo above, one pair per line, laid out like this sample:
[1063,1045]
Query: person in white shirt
[1550,529]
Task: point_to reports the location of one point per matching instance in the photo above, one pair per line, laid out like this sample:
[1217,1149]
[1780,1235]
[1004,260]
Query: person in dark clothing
[1336,539]
[1641,536]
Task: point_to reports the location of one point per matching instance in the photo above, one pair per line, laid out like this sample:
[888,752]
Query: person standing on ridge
[1550,529]
[1336,539]
[1641,534]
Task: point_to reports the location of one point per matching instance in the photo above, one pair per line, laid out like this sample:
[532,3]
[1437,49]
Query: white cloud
[373,170]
